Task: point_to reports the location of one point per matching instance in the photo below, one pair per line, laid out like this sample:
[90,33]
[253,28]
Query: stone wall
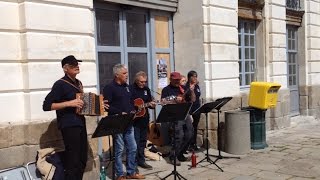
[313,106]
[35,36]
[221,61]
[277,118]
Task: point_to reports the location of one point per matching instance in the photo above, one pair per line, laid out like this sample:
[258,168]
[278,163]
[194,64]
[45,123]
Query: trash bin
[237,132]
[257,128]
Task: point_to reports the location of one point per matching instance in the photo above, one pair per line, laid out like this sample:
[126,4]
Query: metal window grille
[293,4]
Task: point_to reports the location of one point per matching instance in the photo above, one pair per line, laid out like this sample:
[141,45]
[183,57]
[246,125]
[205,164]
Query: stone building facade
[230,43]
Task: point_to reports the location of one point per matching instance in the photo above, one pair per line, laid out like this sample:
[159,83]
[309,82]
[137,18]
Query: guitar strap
[80,88]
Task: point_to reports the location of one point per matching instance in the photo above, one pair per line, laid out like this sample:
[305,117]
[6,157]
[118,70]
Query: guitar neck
[149,103]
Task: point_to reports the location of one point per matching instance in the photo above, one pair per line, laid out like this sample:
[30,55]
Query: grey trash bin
[237,125]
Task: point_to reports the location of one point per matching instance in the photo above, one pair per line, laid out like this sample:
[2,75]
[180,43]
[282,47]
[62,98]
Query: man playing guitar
[141,93]
[184,129]
[120,101]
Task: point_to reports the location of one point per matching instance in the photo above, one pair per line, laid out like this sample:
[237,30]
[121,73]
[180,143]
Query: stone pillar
[221,48]
[312,21]
[276,32]
[275,19]
[11,86]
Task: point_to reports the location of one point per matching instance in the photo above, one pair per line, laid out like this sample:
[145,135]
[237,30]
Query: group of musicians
[119,97]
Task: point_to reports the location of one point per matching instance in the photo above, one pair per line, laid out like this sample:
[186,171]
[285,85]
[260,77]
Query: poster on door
[162,68]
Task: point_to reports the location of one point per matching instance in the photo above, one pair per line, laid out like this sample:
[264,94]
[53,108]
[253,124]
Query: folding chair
[33,171]
[16,173]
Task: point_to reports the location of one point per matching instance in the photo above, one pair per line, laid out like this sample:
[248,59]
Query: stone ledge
[314,112]
[20,142]
[40,132]
[5,134]
[279,123]
[12,156]
[314,97]
[92,169]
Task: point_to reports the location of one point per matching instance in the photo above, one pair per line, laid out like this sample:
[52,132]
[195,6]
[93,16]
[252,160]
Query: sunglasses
[73,65]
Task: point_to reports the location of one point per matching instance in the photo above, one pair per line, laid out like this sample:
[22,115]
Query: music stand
[112,125]
[219,156]
[173,113]
[206,108]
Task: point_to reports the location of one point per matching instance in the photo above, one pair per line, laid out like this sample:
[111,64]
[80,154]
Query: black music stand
[112,125]
[223,102]
[173,113]
[206,108]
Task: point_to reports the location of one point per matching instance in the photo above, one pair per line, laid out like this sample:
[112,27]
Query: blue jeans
[126,140]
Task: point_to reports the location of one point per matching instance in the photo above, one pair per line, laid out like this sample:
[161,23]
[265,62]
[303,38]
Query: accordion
[93,104]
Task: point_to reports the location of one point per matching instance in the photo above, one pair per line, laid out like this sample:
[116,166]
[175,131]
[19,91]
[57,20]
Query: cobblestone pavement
[293,153]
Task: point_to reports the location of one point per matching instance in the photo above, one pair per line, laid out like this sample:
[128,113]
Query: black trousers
[183,134]
[76,152]
[140,135]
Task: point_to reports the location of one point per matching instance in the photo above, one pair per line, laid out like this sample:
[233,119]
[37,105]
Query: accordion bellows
[93,104]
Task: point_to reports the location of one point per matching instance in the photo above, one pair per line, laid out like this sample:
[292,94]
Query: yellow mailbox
[263,95]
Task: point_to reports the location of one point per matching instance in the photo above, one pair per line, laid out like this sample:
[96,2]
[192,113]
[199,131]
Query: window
[292,56]
[247,52]
[133,36]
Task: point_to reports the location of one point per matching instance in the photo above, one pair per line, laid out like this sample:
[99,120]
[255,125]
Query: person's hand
[152,104]
[179,99]
[192,87]
[105,104]
[124,113]
[75,103]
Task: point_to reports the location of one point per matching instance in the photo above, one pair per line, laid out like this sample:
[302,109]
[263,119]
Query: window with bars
[293,4]
[247,52]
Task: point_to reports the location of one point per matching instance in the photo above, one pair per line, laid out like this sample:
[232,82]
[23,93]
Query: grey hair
[117,68]
[140,73]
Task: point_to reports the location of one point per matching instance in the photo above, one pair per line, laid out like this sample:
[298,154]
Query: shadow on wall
[52,138]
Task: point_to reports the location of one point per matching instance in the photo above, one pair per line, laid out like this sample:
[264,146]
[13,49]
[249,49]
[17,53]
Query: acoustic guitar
[140,106]
[154,134]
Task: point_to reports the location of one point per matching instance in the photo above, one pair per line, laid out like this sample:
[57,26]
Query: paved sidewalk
[293,153]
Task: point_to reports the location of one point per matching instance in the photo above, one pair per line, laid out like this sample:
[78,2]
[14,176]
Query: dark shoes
[135,176]
[185,152]
[194,147]
[182,158]
[145,166]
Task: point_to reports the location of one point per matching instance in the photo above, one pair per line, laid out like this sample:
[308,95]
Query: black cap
[71,60]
